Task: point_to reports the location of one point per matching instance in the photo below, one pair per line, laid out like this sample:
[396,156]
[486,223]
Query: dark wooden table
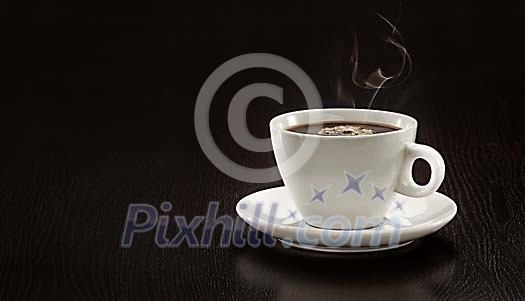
[100,115]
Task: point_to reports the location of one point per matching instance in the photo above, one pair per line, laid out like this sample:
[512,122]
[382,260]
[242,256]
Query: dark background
[97,113]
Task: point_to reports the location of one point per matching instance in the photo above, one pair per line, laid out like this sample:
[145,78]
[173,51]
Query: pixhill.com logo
[144,218]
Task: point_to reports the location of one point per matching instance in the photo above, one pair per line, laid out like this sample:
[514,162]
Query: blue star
[378,193]
[399,206]
[318,195]
[292,214]
[353,183]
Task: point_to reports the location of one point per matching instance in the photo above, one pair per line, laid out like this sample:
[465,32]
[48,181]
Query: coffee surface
[342,128]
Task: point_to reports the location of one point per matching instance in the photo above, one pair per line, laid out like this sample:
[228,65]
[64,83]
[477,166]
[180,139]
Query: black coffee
[342,128]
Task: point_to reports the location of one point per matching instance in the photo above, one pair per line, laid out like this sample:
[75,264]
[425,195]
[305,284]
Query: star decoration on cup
[317,194]
[378,193]
[291,214]
[353,183]
[399,206]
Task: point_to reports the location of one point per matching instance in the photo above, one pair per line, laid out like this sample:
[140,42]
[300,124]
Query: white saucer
[272,211]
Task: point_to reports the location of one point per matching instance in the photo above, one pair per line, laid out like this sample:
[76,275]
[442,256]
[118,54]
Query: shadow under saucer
[410,271]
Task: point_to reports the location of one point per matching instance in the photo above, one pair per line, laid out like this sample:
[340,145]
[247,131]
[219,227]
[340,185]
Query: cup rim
[273,121]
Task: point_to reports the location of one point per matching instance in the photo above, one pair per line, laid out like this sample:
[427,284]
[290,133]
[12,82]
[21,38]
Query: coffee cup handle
[406,184]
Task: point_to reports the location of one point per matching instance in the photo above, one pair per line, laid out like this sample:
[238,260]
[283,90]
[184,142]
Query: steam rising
[341,94]
[378,78]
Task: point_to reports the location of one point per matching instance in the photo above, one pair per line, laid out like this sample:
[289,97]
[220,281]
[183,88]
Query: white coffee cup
[347,182]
